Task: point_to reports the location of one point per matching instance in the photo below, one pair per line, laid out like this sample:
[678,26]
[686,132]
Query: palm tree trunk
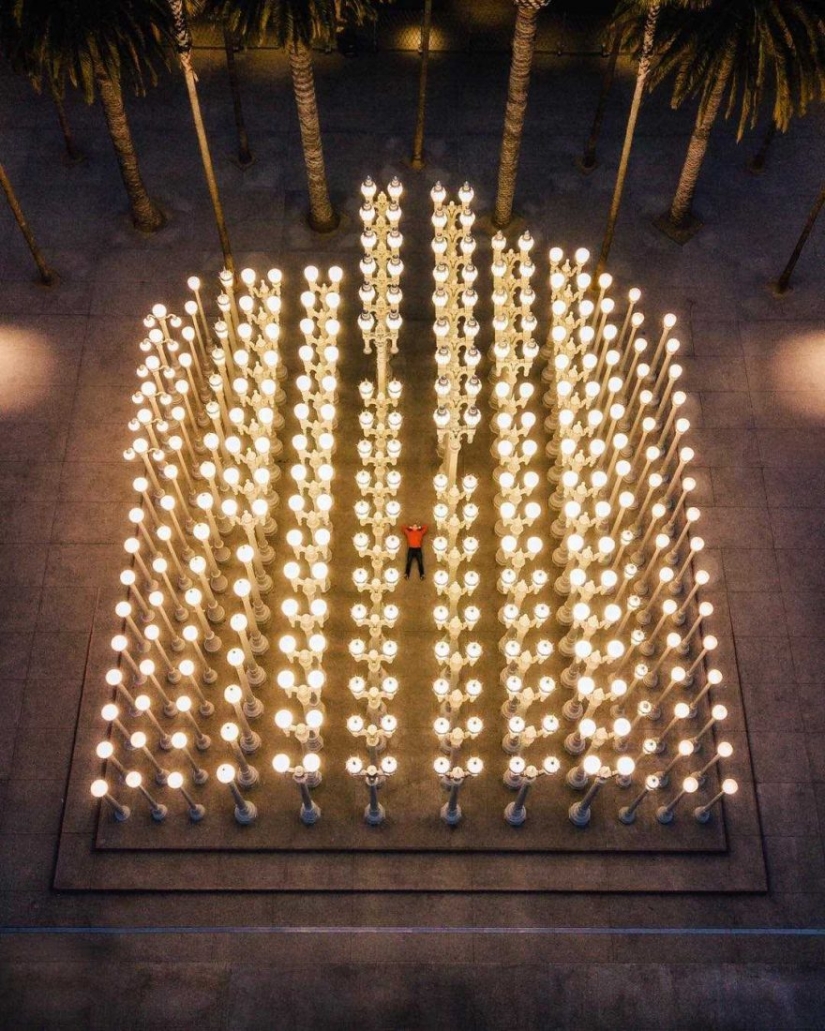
[632,118]
[417,159]
[524,41]
[757,162]
[72,152]
[183,45]
[322,217]
[588,158]
[245,157]
[46,274]
[146,215]
[680,213]
[784,280]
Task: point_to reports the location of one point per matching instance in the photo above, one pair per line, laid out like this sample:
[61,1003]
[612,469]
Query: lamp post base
[515,816]
[374,817]
[246,815]
[451,817]
[579,817]
[310,815]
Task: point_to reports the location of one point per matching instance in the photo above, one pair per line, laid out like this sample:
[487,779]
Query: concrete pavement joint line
[729,932]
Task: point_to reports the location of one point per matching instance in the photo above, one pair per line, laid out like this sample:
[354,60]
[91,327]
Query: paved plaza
[604,947]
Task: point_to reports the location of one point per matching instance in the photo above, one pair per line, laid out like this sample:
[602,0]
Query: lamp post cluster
[205,427]
[512,356]
[609,656]
[377,508]
[307,570]
[632,627]
[457,389]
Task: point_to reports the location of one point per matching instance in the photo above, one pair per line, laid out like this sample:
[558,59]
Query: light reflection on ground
[28,370]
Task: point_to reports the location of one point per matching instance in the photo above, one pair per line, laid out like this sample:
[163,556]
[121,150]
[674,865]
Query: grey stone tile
[19,608]
[712,338]
[92,522]
[23,565]
[796,484]
[81,482]
[67,608]
[737,446]
[771,997]
[26,861]
[32,806]
[808,656]
[757,613]
[12,694]
[796,527]
[626,994]
[24,437]
[718,373]
[816,754]
[15,647]
[725,409]
[799,570]
[42,752]
[95,440]
[750,569]
[770,693]
[787,809]
[779,757]
[736,528]
[87,564]
[804,612]
[785,446]
[738,488]
[69,995]
[58,654]
[795,864]
[762,338]
[781,409]
[177,995]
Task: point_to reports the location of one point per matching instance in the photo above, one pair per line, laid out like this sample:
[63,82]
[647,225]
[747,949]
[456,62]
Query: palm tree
[738,53]
[245,155]
[524,42]
[784,280]
[757,162]
[183,45]
[46,274]
[624,23]
[73,155]
[417,159]
[97,47]
[587,162]
[296,25]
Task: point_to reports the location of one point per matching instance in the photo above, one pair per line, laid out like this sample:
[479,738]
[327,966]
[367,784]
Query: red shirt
[414,537]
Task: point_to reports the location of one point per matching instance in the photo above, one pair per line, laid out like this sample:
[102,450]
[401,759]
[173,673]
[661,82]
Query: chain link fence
[469,26]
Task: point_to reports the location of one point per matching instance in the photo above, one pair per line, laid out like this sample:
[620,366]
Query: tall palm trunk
[784,280]
[183,45]
[632,118]
[72,152]
[46,274]
[245,157]
[524,42]
[680,213]
[757,162]
[588,159]
[417,159]
[146,215]
[322,217]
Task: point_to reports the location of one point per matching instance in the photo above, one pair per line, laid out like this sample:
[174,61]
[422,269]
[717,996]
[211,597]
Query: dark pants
[414,555]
